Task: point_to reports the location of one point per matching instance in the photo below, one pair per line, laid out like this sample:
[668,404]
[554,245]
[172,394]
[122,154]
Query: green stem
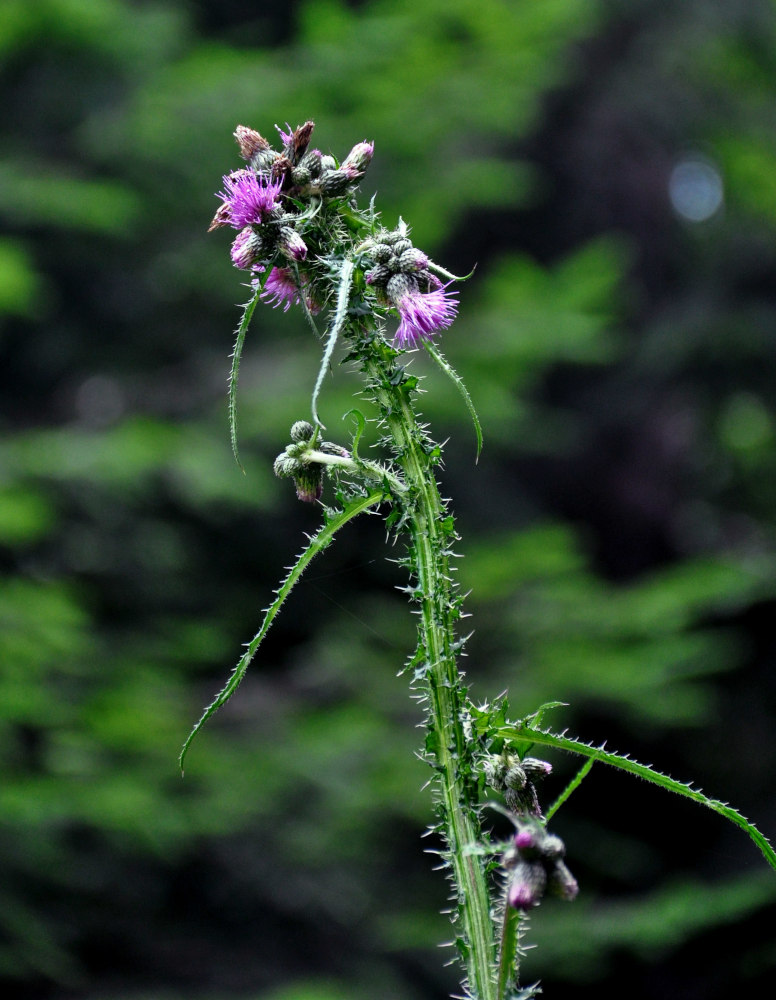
[431,531]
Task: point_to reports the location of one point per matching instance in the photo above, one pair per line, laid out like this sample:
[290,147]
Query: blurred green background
[611,169]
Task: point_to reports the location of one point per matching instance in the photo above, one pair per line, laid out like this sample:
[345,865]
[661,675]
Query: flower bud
[329,448]
[379,275]
[401,246]
[311,161]
[412,260]
[536,769]
[381,253]
[527,885]
[302,430]
[334,182]
[552,847]
[286,465]
[291,244]
[309,482]
[525,839]
[358,159]
[515,777]
[561,882]
[301,176]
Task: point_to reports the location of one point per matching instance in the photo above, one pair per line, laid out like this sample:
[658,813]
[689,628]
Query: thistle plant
[361,284]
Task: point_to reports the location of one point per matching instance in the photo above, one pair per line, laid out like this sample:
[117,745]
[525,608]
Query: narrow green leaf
[317,544]
[572,786]
[456,379]
[236,356]
[338,321]
[360,428]
[520,732]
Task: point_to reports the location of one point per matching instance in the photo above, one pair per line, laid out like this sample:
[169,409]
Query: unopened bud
[527,885]
[561,882]
[536,769]
[525,839]
[379,275]
[286,465]
[311,161]
[334,182]
[401,246]
[358,159]
[291,244]
[552,847]
[302,430]
[412,260]
[309,482]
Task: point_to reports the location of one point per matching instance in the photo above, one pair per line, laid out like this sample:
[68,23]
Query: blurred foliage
[618,530]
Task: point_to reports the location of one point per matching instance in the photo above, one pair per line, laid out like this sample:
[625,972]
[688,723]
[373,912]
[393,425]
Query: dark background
[611,169]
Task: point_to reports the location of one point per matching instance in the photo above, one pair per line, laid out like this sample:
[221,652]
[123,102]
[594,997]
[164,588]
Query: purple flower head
[246,249]
[248,199]
[524,839]
[280,289]
[422,313]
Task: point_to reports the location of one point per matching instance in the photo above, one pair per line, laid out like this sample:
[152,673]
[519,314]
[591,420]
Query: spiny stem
[440,677]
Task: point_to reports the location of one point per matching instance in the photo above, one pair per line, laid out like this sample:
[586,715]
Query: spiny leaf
[522,732]
[236,355]
[338,321]
[317,544]
[456,379]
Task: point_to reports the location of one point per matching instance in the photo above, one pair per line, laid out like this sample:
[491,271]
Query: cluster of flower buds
[297,461]
[259,199]
[400,273]
[534,864]
[515,779]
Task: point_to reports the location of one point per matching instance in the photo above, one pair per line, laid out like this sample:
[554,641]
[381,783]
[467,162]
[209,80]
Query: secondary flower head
[422,313]
[248,199]
[280,289]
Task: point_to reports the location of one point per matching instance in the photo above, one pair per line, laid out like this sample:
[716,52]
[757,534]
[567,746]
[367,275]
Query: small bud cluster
[534,859]
[534,864]
[515,779]
[296,462]
[262,199]
[400,273]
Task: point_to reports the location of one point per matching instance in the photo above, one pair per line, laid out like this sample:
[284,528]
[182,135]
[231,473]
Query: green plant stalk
[430,530]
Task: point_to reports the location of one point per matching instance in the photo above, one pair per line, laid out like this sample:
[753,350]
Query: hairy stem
[431,531]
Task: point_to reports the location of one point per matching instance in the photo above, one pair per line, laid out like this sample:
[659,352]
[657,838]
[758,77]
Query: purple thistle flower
[248,199]
[422,313]
[280,289]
